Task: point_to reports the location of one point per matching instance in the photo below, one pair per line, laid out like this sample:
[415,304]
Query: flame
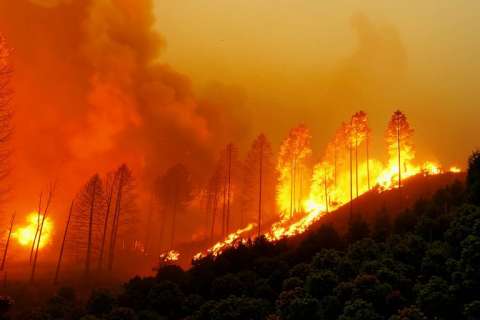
[231,239]
[455,169]
[346,172]
[26,234]
[170,256]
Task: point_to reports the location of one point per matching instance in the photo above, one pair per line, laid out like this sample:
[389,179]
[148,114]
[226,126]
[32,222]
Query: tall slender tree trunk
[351,181]
[2,267]
[225,181]
[105,227]
[368,160]
[292,182]
[260,178]
[149,227]
[227,223]
[90,230]
[174,217]
[39,214]
[39,238]
[326,188]
[62,248]
[214,214]
[335,164]
[356,164]
[116,220]
[399,161]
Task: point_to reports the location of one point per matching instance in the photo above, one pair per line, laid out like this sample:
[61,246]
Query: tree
[358,134]
[38,238]
[62,248]
[473,178]
[124,210]
[2,266]
[110,185]
[176,190]
[382,225]
[398,137]
[87,221]
[357,229]
[213,192]
[291,167]
[5,113]
[258,190]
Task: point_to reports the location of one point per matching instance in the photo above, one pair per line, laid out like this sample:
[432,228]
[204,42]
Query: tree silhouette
[62,247]
[5,252]
[213,194]
[5,114]
[175,188]
[398,135]
[258,190]
[124,209]
[292,158]
[87,220]
[38,238]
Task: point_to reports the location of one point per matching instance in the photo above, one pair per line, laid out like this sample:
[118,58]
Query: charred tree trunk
[2,267]
[116,221]
[174,217]
[356,164]
[62,248]
[399,161]
[260,178]
[39,238]
[105,227]
[90,231]
[214,214]
[39,214]
[368,160]
[227,222]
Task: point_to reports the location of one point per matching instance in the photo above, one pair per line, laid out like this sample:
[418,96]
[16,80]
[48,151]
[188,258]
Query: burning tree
[5,112]
[213,194]
[291,167]
[358,134]
[400,148]
[87,221]
[175,189]
[124,200]
[258,190]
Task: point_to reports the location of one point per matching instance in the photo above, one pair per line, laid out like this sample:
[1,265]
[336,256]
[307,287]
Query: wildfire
[169,256]
[232,238]
[345,172]
[26,234]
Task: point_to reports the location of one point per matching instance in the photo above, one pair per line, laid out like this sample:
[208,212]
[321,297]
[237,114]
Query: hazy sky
[319,61]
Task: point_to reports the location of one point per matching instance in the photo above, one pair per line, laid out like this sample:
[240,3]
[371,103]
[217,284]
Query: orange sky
[319,61]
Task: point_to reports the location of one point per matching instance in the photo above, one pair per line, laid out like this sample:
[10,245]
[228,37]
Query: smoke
[91,92]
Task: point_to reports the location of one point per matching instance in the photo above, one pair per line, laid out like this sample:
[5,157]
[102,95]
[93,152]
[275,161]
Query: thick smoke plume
[91,92]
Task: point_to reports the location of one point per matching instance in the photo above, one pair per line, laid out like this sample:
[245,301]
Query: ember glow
[25,234]
[305,193]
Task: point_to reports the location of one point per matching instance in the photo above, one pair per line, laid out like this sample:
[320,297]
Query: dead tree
[258,190]
[175,188]
[51,191]
[8,242]
[110,184]
[125,206]
[5,115]
[37,228]
[62,248]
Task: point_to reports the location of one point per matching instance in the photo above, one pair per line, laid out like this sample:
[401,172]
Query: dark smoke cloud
[91,92]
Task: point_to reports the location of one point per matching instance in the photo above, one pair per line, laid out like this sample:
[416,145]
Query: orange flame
[339,177]
[26,234]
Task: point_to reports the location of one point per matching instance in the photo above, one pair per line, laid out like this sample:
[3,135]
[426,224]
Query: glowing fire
[169,256]
[345,172]
[231,239]
[26,234]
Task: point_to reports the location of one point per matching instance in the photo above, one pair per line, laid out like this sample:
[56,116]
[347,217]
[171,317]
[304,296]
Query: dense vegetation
[422,264]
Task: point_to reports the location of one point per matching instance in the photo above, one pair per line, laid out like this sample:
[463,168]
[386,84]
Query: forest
[420,264]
